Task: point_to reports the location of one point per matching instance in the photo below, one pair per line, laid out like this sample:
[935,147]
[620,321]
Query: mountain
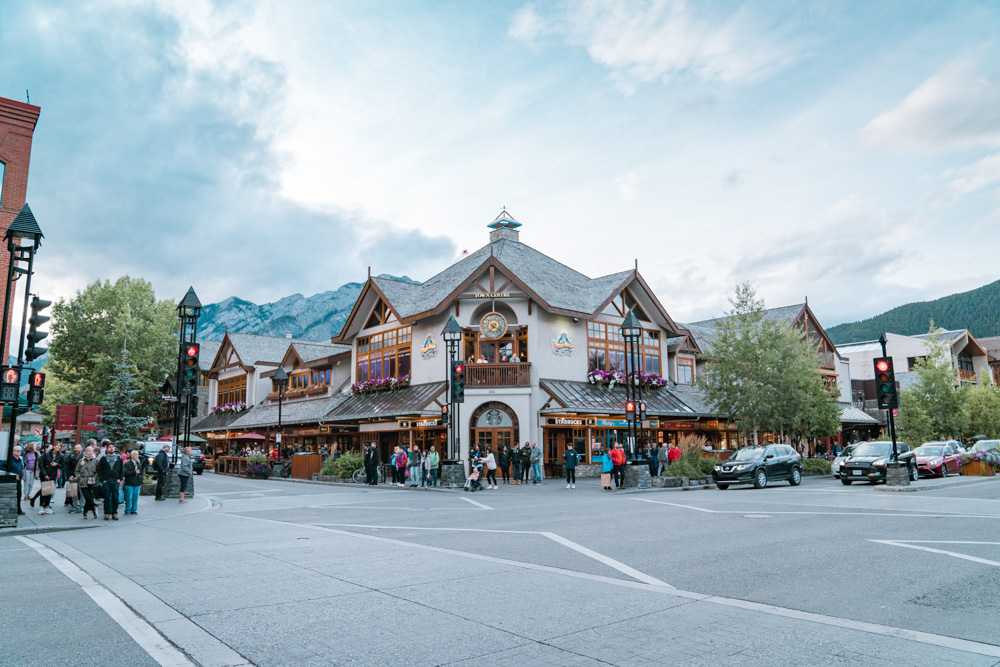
[317,317]
[975,310]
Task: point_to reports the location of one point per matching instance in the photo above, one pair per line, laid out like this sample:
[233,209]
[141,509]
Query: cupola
[504,227]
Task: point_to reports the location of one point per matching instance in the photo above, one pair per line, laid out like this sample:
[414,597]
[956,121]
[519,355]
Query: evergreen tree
[913,425]
[935,390]
[122,410]
[983,408]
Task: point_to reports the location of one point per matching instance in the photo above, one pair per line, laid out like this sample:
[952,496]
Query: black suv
[868,460]
[758,464]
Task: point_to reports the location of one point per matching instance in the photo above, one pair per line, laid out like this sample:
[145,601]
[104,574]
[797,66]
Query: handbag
[48,487]
[605,479]
[72,489]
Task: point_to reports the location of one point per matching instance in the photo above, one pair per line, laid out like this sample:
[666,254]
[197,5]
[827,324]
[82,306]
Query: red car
[938,458]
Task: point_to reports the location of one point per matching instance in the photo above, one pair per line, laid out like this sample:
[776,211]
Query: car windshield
[195,451]
[848,451]
[748,453]
[871,449]
[929,450]
[986,445]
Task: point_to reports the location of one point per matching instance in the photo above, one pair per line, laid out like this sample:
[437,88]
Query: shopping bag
[72,490]
[605,479]
[48,487]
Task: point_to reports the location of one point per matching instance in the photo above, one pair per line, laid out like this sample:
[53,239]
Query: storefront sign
[307,431]
[621,423]
[682,425]
[712,424]
[429,349]
[562,346]
[563,421]
[493,295]
[424,423]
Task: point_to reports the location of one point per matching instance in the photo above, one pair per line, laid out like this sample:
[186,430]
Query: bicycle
[359,476]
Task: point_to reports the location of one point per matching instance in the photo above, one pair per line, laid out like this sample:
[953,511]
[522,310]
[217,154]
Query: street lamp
[188,310]
[631,331]
[452,334]
[28,237]
[279,382]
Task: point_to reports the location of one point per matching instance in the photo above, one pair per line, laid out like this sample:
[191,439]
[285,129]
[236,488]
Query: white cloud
[976,176]
[527,25]
[628,185]
[959,107]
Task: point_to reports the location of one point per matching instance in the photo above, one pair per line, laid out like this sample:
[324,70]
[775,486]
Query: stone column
[8,500]
[452,475]
[637,476]
[897,474]
[172,487]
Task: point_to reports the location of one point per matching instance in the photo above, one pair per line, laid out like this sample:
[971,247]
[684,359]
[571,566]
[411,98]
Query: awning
[249,436]
[300,411]
[587,398]
[387,404]
[184,438]
[852,415]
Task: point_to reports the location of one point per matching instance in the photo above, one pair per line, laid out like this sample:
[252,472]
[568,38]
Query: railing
[967,375]
[498,375]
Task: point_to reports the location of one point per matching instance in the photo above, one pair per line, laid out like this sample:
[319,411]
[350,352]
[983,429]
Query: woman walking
[184,472]
[133,480]
[30,461]
[86,472]
[491,470]
[505,464]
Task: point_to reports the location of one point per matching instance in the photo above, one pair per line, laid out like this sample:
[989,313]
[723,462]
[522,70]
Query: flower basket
[981,464]
[611,378]
[381,384]
[229,408]
[978,469]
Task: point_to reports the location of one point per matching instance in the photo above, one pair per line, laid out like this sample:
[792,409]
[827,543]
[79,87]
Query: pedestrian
[133,482]
[651,459]
[607,468]
[30,460]
[47,471]
[110,471]
[662,458]
[491,470]
[416,457]
[184,472]
[435,459]
[401,460]
[69,474]
[161,465]
[86,472]
[526,462]
[570,458]
[536,463]
[16,467]
[618,459]
[371,464]
[675,454]
[505,464]
[62,453]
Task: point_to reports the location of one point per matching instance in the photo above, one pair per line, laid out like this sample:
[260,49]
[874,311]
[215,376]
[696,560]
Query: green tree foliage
[122,413]
[764,374]
[974,310]
[982,405]
[914,425]
[935,389]
[88,334]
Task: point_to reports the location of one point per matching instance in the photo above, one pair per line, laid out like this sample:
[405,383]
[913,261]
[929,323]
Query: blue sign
[621,423]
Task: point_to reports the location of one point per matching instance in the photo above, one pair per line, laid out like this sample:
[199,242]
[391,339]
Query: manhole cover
[757,516]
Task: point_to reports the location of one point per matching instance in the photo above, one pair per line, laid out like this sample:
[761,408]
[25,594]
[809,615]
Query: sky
[844,151]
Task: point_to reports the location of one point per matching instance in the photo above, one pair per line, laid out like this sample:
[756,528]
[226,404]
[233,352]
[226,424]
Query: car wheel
[845,482]
[722,487]
[760,479]
[796,477]
[198,472]
[914,473]
[944,471]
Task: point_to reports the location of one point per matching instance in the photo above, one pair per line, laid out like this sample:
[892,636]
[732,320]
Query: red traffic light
[882,365]
[629,406]
[191,351]
[459,368]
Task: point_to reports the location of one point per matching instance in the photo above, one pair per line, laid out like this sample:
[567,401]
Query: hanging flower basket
[229,408]
[381,384]
[611,378]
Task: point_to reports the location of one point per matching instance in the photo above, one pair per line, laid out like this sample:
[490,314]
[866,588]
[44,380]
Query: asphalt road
[282,573]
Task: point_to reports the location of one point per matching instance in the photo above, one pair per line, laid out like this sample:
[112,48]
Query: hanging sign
[621,423]
[429,349]
[562,346]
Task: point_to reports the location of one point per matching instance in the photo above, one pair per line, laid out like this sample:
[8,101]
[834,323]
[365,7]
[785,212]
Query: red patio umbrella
[249,436]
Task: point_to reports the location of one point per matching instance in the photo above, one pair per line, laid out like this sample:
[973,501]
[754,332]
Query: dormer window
[380,315]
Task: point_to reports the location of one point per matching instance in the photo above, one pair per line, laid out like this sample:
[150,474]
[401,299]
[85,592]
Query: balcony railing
[967,375]
[498,375]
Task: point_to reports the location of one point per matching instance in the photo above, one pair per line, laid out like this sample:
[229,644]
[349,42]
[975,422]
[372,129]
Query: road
[284,573]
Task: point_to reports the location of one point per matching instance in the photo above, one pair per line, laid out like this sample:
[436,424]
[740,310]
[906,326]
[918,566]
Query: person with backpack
[571,458]
[618,471]
[160,467]
[415,459]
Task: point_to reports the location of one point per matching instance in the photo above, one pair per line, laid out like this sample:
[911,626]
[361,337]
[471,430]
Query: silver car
[835,466]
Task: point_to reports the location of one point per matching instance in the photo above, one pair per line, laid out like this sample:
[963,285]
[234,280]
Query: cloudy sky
[848,151]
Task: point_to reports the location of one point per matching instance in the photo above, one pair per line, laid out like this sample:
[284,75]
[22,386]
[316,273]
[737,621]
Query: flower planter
[979,469]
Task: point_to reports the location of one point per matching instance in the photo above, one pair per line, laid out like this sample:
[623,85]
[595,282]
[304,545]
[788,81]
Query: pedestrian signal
[630,411]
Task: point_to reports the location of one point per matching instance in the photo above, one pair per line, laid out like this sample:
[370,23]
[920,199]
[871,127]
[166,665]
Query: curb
[39,531]
[934,487]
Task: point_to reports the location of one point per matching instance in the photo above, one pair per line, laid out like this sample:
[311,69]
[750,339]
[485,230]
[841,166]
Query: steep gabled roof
[311,351]
[783,314]
[208,350]
[253,348]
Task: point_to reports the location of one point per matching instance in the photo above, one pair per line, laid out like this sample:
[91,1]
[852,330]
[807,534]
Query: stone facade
[8,501]
[173,486]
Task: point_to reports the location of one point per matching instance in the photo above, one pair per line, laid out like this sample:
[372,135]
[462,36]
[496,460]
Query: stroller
[474,483]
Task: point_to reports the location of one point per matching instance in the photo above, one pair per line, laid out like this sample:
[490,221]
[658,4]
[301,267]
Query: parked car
[868,461]
[839,460]
[757,465]
[151,449]
[197,461]
[938,458]
[985,446]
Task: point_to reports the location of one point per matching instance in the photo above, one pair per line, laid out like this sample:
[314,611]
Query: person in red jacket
[673,455]
[618,460]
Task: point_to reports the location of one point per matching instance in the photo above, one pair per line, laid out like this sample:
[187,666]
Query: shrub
[257,459]
[816,465]
[258,471]
[342,467]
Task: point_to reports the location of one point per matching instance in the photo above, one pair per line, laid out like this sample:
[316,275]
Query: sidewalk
[939,483]
[33,523]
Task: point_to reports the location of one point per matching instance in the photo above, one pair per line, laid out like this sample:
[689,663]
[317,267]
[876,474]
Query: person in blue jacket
[607,465]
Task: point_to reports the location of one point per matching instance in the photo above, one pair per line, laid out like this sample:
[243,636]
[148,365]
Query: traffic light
[630,411]
[33,351]
[189,369]
[885,384]
[458,382]
[444,412]
[642,411]
[10,384]
[36,388]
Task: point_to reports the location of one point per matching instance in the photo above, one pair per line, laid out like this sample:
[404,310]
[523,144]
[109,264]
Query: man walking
[416,457]
[618,460]
[111,472]
[371,464]
[15,466]
[536,463]
[571,458]
[435,462]
[160,466]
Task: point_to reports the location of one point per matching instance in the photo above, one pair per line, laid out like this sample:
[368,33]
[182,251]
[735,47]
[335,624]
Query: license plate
[855,472]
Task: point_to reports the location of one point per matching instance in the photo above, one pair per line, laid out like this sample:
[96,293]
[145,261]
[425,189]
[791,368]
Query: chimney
[504,227]
[288,334]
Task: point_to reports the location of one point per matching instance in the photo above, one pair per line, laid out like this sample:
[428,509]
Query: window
[965,363]
[624,302]
[232,390]
[383,355]
[309,378]
[685,371]
[830,382]
[606,348]
[380,314]
[911,363]
[3,170]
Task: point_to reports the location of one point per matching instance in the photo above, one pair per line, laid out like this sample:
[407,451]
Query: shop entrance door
[494,425]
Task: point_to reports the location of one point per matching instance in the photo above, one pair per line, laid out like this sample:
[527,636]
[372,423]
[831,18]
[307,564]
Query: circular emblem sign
[493,325]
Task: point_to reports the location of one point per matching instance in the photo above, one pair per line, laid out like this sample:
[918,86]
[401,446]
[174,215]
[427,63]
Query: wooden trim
[339,338]
[656,302]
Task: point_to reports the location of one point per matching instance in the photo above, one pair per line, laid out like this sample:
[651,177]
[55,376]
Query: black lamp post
[452,334]
[188,311]
[279,382]
[631,331]
[28,237]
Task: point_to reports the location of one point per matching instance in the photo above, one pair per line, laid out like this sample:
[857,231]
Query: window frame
[372,354]
[686,362]
[233,389]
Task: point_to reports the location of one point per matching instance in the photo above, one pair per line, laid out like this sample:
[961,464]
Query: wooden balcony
[497,375]
[968,376]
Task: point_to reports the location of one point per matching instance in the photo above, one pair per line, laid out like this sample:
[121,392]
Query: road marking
[965,645]
[151,641]
[953,554]
[230,493]
[477,504]
[457,530]
[813,513]
[607,560]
